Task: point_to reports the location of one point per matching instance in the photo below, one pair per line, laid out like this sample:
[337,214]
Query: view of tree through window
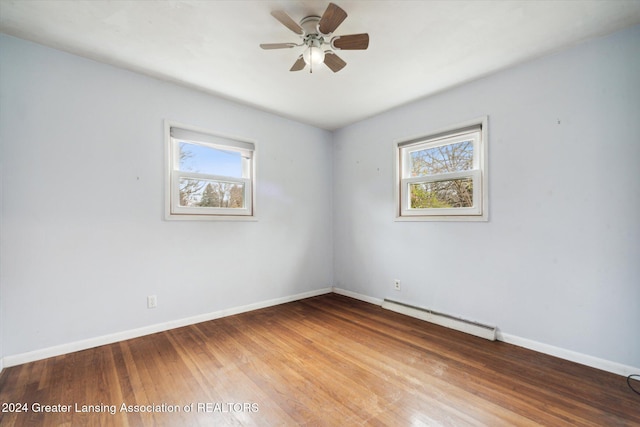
[442,177]
[457,193]
[212,194]
[453,193]
[206,192]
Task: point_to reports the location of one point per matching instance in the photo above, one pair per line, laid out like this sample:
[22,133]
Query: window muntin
[443,176]
[209,176]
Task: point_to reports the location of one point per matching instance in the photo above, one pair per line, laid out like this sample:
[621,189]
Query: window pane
[446,158]
[208,160]
[211,194]
[456,193]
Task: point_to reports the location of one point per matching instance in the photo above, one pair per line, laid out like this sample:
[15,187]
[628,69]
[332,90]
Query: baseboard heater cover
[446,320]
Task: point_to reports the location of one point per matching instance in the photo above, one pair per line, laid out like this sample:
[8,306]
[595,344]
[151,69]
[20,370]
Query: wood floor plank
[548,387]
[399,370]
[328,360]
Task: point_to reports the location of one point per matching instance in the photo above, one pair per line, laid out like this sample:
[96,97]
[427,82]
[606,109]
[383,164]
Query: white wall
[83,236]
[559,261]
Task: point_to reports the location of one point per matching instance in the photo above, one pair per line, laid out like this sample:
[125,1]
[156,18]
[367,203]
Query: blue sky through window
[208,160]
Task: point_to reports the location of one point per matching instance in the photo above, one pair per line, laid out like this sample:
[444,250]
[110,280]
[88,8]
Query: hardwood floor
[328,360]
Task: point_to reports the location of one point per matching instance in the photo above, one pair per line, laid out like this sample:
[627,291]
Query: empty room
[393,213]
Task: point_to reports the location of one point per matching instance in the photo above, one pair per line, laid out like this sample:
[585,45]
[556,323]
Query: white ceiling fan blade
[278,45]
[286,20]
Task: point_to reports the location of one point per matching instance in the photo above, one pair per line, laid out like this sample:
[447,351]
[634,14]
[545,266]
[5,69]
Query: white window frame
[477,131]
[176,133]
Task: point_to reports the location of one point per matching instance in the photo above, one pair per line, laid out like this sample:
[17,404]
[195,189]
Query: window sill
[443,218]
[214,218]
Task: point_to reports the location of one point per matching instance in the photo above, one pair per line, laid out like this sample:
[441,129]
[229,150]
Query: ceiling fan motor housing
[310,24]
[312,37]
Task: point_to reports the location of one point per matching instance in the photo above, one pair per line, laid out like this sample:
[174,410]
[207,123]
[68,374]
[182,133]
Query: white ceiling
[417,48]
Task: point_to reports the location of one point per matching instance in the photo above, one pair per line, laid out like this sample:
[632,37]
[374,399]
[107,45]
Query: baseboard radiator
[462,325]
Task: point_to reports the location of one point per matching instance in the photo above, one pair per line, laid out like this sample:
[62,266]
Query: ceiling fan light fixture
[313,55]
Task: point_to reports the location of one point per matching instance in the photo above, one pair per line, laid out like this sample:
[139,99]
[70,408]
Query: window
[443,176]
[208,176]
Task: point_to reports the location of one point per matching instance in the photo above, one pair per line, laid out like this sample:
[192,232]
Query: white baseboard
[18,359]
[572,356]
[355,295]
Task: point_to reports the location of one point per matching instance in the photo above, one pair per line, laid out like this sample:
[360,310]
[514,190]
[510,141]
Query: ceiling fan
[317,35]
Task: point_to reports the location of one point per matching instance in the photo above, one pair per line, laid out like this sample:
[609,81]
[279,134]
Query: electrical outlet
[152,301]
[396,284]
